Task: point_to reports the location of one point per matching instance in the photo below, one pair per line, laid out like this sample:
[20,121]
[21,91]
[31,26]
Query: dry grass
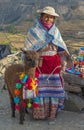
[15,40]
[72,25]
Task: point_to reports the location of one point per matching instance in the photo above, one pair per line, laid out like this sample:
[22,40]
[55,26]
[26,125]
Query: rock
[8,60]
[1,82]
[74,103]
[72,88]
[73,79]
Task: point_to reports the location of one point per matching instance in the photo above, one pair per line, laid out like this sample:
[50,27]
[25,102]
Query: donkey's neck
[30,72]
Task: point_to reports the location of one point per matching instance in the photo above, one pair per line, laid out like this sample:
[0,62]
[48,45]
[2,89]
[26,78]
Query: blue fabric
[60,49]
[73,71]
[82,48]
[50,86]
[38,37]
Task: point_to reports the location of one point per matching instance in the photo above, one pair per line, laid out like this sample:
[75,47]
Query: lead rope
[51,72]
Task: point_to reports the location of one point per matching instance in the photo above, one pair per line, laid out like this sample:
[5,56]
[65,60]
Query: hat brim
[46,12]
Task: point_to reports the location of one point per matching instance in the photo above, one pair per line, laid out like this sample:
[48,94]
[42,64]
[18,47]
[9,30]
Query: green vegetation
[6,42]
[14,40]
[11,29]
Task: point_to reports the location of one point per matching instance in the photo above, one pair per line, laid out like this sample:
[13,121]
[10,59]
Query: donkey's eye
[29,59]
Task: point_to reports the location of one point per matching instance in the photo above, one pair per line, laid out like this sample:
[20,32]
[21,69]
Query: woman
[45,38]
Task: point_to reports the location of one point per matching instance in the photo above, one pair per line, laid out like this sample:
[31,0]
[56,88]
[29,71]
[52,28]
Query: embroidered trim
[26,83]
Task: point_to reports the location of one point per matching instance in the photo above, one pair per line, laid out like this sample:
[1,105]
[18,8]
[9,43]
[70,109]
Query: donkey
[12,75]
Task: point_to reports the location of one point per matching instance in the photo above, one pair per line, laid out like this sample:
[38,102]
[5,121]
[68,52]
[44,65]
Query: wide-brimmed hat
[48,10]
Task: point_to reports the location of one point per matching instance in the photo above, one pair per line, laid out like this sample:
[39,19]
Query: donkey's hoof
[13,116]
[21,122]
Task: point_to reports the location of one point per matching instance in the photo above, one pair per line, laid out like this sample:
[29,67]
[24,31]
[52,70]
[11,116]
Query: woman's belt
[48,53]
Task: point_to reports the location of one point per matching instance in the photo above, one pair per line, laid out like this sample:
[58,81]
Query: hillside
[15,11]
[22,14]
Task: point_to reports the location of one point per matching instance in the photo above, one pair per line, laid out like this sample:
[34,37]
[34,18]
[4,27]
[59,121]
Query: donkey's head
[30,58]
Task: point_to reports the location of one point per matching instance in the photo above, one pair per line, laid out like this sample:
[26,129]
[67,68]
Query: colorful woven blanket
[38,37]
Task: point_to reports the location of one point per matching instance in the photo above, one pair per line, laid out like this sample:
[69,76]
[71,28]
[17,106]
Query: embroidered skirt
[50,88]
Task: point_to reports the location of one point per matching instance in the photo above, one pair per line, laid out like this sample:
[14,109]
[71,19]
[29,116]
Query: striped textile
[38,37]
[50,86]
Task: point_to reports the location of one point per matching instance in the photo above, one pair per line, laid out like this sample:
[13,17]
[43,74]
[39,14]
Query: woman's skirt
[50,88]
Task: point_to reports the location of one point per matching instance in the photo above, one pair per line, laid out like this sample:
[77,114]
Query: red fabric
[46,25]
[49,63]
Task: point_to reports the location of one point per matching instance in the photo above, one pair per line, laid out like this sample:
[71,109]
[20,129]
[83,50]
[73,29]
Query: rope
[51,72]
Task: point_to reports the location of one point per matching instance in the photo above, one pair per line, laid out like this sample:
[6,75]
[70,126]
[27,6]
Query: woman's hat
[48,10]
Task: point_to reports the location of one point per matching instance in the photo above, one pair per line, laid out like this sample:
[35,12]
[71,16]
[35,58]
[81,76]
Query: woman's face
[49,19]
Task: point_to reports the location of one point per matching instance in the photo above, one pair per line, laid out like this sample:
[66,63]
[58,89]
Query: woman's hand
[68,60]
[69,64]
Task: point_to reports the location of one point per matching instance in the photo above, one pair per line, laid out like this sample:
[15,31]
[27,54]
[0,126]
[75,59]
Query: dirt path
[65,120]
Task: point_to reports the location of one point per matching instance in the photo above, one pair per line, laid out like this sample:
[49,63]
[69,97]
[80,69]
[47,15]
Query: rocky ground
[71,118]
[66,120]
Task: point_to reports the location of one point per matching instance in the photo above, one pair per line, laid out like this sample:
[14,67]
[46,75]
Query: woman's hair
[41,15]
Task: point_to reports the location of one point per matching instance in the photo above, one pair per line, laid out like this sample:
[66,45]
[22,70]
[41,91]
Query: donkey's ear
[23,50]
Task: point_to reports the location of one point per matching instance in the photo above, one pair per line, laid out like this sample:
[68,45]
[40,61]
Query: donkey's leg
[13,108]
[22,114]
[12,105]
